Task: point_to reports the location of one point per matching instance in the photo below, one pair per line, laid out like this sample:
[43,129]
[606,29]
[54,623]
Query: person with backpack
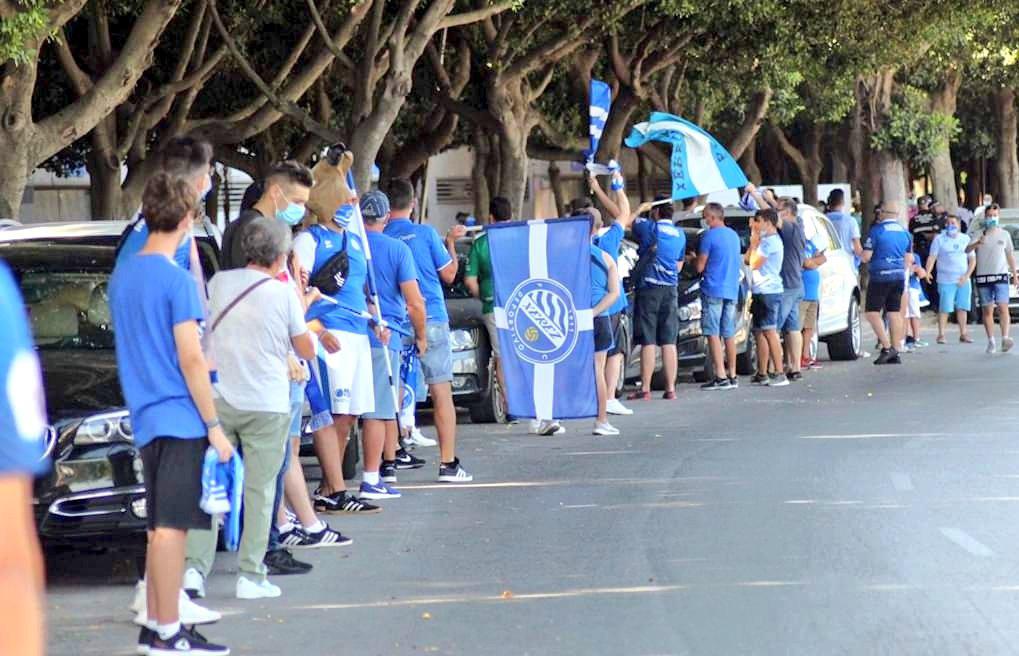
[660,258]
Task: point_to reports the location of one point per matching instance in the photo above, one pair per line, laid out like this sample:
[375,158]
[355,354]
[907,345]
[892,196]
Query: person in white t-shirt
[955,266]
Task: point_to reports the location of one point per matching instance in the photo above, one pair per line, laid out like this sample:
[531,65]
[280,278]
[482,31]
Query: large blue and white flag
[542,276]
[700,165]
[601,101]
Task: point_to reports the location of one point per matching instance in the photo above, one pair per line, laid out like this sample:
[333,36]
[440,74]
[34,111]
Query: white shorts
[913,306]
[348,375]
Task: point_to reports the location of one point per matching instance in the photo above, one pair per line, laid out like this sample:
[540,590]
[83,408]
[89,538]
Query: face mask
[292,214]
[343,215]
[952,230]
[991,222]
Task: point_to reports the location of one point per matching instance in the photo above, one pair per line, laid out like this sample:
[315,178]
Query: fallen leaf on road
[507,594]
[426,615]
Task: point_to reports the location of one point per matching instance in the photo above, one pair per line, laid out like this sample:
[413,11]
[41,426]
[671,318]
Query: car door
[837,279]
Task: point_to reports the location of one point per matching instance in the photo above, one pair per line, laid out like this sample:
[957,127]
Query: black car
[94,493]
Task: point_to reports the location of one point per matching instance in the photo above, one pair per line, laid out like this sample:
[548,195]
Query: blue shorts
[296,407]
[789,311]
[954,297]
[764,311]
[437,362]
[993,294]
[385,408]
[718,317]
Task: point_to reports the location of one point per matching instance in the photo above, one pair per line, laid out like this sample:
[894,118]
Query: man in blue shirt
[662,246]
[845,224]
[166,383]
[765,255]
[399,297]
[22,427]
[790,230]
[718,261]
[813,257]
[436,264]
[888,255]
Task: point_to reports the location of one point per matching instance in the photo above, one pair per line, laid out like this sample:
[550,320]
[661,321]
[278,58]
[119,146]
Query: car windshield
[65,288]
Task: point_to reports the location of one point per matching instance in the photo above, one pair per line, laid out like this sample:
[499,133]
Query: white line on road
[868,436]
[583,505]
[902,482]
[598,453]
[967,542]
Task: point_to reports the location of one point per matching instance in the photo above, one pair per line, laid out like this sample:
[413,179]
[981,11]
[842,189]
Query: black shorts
[886,296]
[617,333]
[172,469]
[602,334]
[657,315]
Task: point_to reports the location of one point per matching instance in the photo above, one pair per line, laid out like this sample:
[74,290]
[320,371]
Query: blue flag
[601,101]
[542,276]
[700,165]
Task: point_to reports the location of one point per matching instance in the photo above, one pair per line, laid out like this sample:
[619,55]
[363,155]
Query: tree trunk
[103,167]
[617,124]
[749,162]
[755,113]
[479,177]
[643,177]
[16,132]
[893,180]
[513,166]
[943,100]
[1006,168]
[973,192]
[556,182]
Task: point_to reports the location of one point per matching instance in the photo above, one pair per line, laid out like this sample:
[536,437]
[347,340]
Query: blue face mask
[991,222]
[292,214]
[343,215]
[952,230]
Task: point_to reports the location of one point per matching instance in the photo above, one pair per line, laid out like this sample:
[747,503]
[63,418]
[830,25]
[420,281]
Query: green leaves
[20,31]
[912,131]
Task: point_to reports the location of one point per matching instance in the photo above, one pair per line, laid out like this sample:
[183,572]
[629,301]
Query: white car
[839,323]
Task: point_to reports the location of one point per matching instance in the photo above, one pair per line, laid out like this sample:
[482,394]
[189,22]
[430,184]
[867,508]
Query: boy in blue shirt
[166,383]
[765,255]
[888,255]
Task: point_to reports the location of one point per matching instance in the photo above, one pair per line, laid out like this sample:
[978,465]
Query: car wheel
[705,374]
[848,344]
[746,362]
[353,453]
[624,350]
[490,408]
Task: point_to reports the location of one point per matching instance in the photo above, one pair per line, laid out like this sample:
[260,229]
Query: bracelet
[212,424]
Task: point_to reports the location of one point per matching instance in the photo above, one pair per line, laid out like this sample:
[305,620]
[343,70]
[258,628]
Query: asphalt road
[867,510]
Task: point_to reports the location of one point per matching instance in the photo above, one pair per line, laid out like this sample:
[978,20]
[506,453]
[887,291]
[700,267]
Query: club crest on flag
[543,321]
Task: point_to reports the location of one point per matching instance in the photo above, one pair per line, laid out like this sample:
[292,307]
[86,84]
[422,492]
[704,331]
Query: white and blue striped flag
[700,165]
[601,101]
[542,276]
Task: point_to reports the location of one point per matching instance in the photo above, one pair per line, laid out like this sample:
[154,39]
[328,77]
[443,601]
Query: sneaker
[294,537]
[248,589]
[454,473]
[417,438]
[546,427]
[187,641]
[965,339]
[777,380]
[194,583]
[733,383]
[280,562]
[190,613]
[615,407]
[405,460]
[814,364]
[717,384]
[759,379]
[387,472]
[921,344]
[341,502]
[145,638]
[794,376]
[327,537]
[638,396]
[1007,344]
[380,491]
[992,346]
[605,429]
[885,356]
[669,396]
[895,359]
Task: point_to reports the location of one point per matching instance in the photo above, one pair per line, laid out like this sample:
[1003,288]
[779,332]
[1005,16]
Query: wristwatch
[212,424]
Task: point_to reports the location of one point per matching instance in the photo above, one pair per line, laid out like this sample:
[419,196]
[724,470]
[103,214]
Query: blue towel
[223,492]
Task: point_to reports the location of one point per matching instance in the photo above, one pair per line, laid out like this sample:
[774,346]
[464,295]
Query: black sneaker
[734,383]
[282,563]
[145,638]
[886,356]
[341,502]
[327,537]
[187,641]
[895,359]
[404,460]
[759,379]
[794,376]
[716,384]
[387,472]
[453,473]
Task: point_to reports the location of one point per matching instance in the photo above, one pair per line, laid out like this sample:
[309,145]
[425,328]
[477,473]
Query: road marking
[562,483]
[768,584]
[967,542]
[598,453]
[868,436]
[902,482]
[583,505]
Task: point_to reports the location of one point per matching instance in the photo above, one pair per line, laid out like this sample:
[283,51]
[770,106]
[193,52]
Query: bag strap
[233,303]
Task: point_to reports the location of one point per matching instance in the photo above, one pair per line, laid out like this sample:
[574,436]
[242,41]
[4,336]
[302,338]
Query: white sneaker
[140,600]
[248,589]
[546,427]
[605,429]
[417,438]
[614,407]
[992,346]
[1007,344]
[190,612]
[194,583]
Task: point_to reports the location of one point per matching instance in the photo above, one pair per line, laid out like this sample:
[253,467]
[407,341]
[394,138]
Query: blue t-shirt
[611,242]
[890,241]
[352,294]
[671,247]
[137,237]
[394,265]
[848,229]
[430,256]
[599,278]
[811,277]
[149,295]
[768,278]
[22,403]
[721,273]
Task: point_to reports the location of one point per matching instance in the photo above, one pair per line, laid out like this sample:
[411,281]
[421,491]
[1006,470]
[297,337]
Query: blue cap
[374,205]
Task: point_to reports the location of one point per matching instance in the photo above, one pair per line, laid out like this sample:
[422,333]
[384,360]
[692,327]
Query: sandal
[965,339]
